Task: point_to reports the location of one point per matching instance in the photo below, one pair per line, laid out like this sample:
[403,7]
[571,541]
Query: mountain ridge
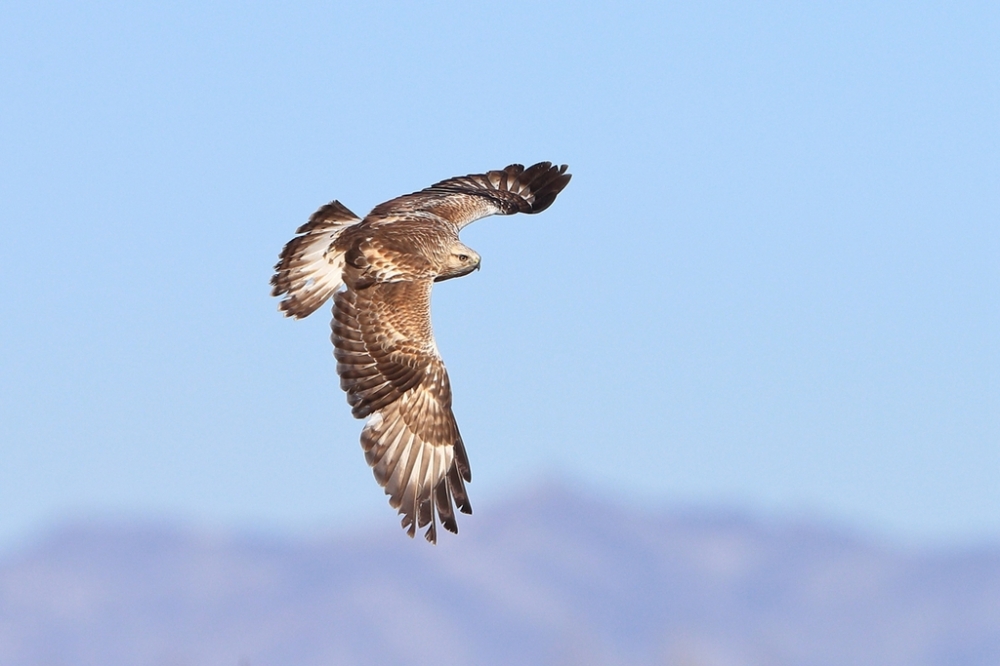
[556,575]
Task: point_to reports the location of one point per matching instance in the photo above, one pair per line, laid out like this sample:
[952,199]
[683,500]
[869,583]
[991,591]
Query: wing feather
[465,199]
[390,369]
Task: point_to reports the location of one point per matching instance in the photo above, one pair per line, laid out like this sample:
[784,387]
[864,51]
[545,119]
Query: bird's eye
[463,257]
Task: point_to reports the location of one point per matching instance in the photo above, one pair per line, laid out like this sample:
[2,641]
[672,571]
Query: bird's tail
[309,269]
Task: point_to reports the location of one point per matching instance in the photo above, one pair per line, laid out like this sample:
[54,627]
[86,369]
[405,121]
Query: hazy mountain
[552,578]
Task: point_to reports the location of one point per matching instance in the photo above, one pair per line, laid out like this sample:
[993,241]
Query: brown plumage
[388,363]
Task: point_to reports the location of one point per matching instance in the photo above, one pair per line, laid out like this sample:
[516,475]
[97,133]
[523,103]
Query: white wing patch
[408,467]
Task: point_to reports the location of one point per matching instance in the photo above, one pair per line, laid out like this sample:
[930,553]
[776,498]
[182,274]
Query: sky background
[772,284]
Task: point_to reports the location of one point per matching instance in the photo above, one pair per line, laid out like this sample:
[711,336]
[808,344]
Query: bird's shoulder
[398,247]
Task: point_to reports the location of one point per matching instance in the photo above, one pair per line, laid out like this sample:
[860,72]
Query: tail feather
[309,270]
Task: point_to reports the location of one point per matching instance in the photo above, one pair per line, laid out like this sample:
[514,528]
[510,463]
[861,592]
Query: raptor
[379,270]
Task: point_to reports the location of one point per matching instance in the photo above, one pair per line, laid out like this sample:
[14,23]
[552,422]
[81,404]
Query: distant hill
[554,577]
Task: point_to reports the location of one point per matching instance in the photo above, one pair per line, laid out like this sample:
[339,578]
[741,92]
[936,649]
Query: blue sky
[772,283]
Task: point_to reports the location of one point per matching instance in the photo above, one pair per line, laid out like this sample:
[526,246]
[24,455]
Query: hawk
[387,360]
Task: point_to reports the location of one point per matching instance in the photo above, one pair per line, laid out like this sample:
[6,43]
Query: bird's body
[387,360]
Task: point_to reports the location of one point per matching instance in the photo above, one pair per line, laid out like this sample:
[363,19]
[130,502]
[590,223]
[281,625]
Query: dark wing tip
[431,534]
[546,182]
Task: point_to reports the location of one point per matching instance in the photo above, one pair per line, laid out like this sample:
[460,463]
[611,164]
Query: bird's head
[461,260]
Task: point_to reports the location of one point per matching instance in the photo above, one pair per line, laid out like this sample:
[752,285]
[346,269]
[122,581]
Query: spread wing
[389,367]
[465,199]
[309,268]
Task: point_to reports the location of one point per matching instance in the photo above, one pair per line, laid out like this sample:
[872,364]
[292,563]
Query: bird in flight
[387,360]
